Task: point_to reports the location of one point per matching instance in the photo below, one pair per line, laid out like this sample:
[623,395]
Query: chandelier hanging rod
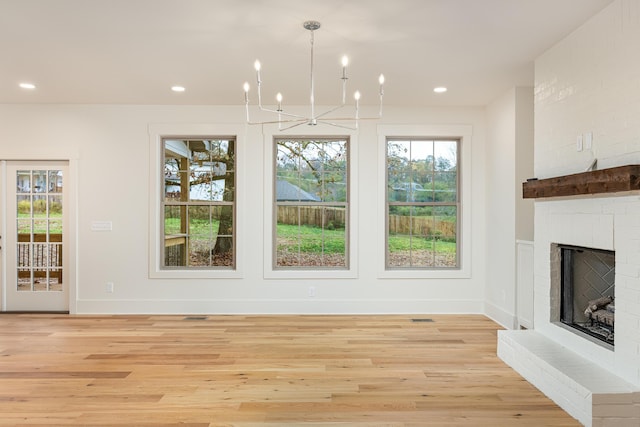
[313,119]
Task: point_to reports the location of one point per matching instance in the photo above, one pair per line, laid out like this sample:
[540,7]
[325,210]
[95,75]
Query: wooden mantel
[612,180]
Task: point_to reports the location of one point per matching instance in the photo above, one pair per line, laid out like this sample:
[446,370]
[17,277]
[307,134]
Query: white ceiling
[133,51]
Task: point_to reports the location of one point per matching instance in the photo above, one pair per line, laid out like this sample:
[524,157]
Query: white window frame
[270,272]
[159,132]
[462,133]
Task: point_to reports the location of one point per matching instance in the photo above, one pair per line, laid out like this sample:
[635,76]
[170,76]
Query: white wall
[590,82]
[110,145]
[509,161]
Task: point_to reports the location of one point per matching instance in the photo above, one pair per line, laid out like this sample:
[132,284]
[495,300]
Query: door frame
[71,234]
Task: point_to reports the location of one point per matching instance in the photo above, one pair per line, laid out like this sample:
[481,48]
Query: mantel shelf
[611,180]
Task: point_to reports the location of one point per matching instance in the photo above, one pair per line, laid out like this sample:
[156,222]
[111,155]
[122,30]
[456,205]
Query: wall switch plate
[579,143]
[588,140]
[312,291]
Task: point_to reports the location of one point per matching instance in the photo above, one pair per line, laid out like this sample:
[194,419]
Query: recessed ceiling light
[27,85]
[177,88]
[440,89]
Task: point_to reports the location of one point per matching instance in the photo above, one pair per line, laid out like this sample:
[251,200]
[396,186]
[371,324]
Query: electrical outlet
[579,143]
[109,287]
[312,291]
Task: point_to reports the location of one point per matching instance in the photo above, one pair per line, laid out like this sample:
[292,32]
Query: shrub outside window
[198,207]
[422,204]
[311,203]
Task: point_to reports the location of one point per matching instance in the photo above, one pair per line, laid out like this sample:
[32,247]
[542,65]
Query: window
[422,203]
[311,193]
[198,203]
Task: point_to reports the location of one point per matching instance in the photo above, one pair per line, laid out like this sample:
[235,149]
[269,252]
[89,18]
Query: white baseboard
[500,316]
[278,306]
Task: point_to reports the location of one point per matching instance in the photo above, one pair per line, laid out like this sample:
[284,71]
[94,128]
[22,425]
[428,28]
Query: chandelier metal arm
[330,111]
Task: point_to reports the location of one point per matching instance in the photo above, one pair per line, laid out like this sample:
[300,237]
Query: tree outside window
[199,203]
[311,203]
[422,204]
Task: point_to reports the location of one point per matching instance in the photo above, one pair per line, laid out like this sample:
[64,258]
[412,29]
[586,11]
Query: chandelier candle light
[312,119]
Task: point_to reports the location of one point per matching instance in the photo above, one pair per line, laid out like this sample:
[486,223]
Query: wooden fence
[319,216]
[421,226]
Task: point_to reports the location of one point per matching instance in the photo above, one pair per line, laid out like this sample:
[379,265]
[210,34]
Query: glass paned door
[36,258]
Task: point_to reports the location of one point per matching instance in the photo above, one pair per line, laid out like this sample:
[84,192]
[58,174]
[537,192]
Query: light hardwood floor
[262,371]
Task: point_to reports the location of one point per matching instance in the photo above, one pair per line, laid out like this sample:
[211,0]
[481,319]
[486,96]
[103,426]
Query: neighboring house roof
[287,192]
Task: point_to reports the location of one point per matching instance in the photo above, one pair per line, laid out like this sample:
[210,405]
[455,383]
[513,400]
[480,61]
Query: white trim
[500,316]
[462,132]
[269,271]
[156,133]
[373,306]
[3,232]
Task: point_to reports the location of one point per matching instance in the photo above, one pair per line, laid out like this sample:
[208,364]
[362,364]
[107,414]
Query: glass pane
[222,233]
[172,178]
[55,206]
[23,206]
[39,181]
[200,239]
[174,220]
[287,162]
[445,236]
[287,236]
[24,228]
[421,171]
[422,231]
[39,206]
[335,237]
[311,246]
[55,181]
[55,230]
[445,156]
[23,179]
[55,255]
[335,186]
[445,185]
[336,154]
[40,227]
[223,169]
[54,281]
[398,171]
[24,255]
[200,187]
[40,255]
[310,152]
[399,239]
[24,279]
[175,252]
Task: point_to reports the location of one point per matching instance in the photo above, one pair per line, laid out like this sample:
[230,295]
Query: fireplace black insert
[588,291]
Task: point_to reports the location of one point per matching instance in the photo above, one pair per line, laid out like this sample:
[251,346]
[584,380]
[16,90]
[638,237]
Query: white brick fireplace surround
[597,385]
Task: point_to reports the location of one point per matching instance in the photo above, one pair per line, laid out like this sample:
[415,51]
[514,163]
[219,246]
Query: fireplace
[585,297]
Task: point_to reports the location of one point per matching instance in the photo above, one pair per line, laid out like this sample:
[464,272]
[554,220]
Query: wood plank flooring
[261,371]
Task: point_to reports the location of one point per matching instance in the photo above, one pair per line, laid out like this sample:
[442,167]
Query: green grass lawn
[398,243]
[317,240]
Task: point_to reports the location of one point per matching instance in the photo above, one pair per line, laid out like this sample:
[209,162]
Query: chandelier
[288,120]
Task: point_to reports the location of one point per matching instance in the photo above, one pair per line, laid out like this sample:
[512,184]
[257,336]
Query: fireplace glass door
[588,291]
